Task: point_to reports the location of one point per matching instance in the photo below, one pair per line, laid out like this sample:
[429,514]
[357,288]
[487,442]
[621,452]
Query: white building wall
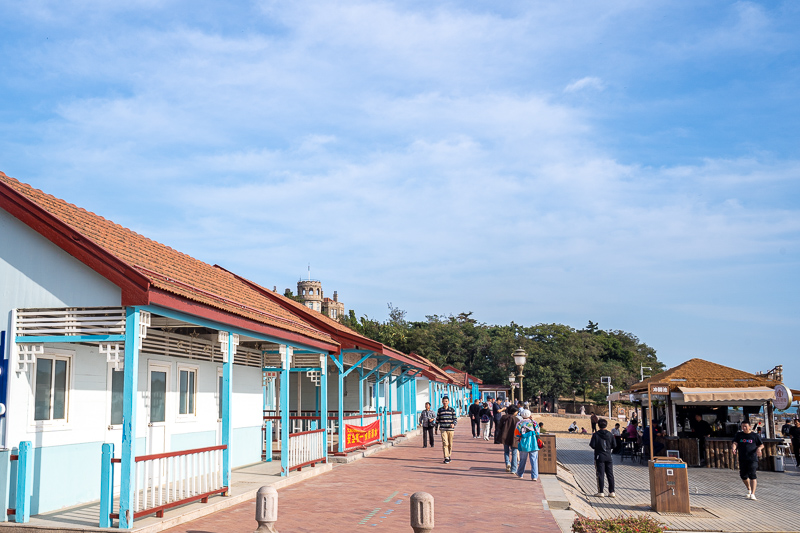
[36,273]
[423,393]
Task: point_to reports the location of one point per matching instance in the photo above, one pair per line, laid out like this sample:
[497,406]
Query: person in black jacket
[427,419]
[603,443]
[475,418]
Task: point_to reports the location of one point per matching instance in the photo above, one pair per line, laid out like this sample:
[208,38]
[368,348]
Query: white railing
[170,479]
[305,448]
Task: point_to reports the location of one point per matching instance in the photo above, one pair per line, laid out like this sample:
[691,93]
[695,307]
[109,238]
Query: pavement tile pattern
[472,494]
[717,497]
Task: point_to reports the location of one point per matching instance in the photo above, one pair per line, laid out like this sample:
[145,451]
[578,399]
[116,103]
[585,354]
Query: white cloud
[589,82]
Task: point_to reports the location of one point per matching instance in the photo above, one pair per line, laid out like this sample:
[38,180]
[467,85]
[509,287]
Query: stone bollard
[422,512]
[266,510]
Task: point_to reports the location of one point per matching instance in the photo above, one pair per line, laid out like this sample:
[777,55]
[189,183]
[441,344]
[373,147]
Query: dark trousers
[604,468]
[491,424]
[476,426]
[427,433]
[594,427]
[796,446]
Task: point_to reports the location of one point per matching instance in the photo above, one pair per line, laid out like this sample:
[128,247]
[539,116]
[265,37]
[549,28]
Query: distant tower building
[312,296]
[310,292]
[333,308]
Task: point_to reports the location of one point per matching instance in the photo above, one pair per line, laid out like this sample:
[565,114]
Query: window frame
[110,396]
[54,354]
[183,367]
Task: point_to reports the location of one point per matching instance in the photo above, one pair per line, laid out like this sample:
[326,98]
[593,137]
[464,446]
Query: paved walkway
[717,497]
[472,494]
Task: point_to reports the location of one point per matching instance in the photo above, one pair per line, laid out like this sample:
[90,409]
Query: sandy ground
[559,425]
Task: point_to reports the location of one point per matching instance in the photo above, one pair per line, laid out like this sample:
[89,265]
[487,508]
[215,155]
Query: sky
[636,164]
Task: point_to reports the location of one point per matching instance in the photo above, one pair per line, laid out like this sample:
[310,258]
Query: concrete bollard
[422,512]
[266,509]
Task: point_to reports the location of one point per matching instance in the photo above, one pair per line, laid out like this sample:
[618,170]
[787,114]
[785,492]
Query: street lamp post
[520,357]
[511,380]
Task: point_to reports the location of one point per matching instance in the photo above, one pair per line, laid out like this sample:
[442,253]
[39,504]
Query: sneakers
[612,494]
[599,495]
[508,468]
[447,460]
[751,496]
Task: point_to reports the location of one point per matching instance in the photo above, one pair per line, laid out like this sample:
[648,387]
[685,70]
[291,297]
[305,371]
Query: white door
[158,375]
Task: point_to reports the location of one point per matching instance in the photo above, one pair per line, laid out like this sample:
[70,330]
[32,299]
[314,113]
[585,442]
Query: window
[117,387]
[187,391]
[51,388]
[158,396]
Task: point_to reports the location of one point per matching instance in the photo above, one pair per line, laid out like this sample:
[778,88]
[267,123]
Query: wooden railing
[166,480]
[306,448]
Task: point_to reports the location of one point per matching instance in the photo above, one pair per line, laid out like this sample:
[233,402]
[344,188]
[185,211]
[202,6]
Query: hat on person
[525,413]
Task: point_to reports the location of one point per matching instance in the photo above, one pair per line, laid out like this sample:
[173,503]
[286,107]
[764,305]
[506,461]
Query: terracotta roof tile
[699,373]
[168,269]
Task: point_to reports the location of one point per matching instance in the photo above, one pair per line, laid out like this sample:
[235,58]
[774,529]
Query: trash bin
[669,485]
[547,454]
[778,461]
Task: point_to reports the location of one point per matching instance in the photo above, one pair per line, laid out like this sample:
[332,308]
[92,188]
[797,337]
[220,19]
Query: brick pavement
[472,494]
[719,493]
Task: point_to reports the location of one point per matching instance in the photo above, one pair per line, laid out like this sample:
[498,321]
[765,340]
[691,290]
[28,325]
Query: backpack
[527,442]
[485,419]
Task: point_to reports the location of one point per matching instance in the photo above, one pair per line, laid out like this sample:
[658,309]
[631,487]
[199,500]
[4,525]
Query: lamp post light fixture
[520,357]
[511,380]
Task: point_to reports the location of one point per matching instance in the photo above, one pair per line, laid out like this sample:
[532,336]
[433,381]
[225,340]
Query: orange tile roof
[166,268]
[698,373]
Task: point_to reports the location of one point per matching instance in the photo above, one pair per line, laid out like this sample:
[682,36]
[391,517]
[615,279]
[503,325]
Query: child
[583,431]
[486,419]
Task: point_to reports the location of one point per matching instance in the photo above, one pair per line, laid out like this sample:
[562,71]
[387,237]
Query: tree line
[563,362]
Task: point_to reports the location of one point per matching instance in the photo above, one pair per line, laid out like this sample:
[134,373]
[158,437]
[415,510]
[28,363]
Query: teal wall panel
[65,475]
[188,441]
[246,446]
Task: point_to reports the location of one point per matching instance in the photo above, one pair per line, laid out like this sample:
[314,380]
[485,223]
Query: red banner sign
[360,435]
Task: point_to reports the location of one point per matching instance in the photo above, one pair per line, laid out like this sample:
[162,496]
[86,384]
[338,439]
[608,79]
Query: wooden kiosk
[722,397]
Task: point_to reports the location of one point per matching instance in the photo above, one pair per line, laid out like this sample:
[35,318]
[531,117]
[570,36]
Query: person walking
[794,434]
[497,413]
[603,444]
[485,415]
[491,416]
[750,444]
[508,423]
[427,419]
[527,435]
[594,420]
[446,424]
[475,418]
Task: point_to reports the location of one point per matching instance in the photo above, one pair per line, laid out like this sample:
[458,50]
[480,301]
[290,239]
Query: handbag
[539,443]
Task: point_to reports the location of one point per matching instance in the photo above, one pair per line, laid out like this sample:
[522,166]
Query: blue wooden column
[227,411]
[323,399]
[129,393]
[286,359]
[361,394]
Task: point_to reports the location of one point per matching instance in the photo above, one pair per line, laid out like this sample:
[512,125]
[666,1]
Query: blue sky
[632,164]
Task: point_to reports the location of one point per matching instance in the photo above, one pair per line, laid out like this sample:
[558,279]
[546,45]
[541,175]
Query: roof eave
[133,285]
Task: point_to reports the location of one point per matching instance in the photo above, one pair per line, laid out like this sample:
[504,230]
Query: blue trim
[340,375]
[198,321]
[669,465]
[305,369]
[4,365]
[69,338]
[323,405]
[106,485]
[357,364]
[24,483]
[285,414]
[227,410]
[130,388]
[379,362]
